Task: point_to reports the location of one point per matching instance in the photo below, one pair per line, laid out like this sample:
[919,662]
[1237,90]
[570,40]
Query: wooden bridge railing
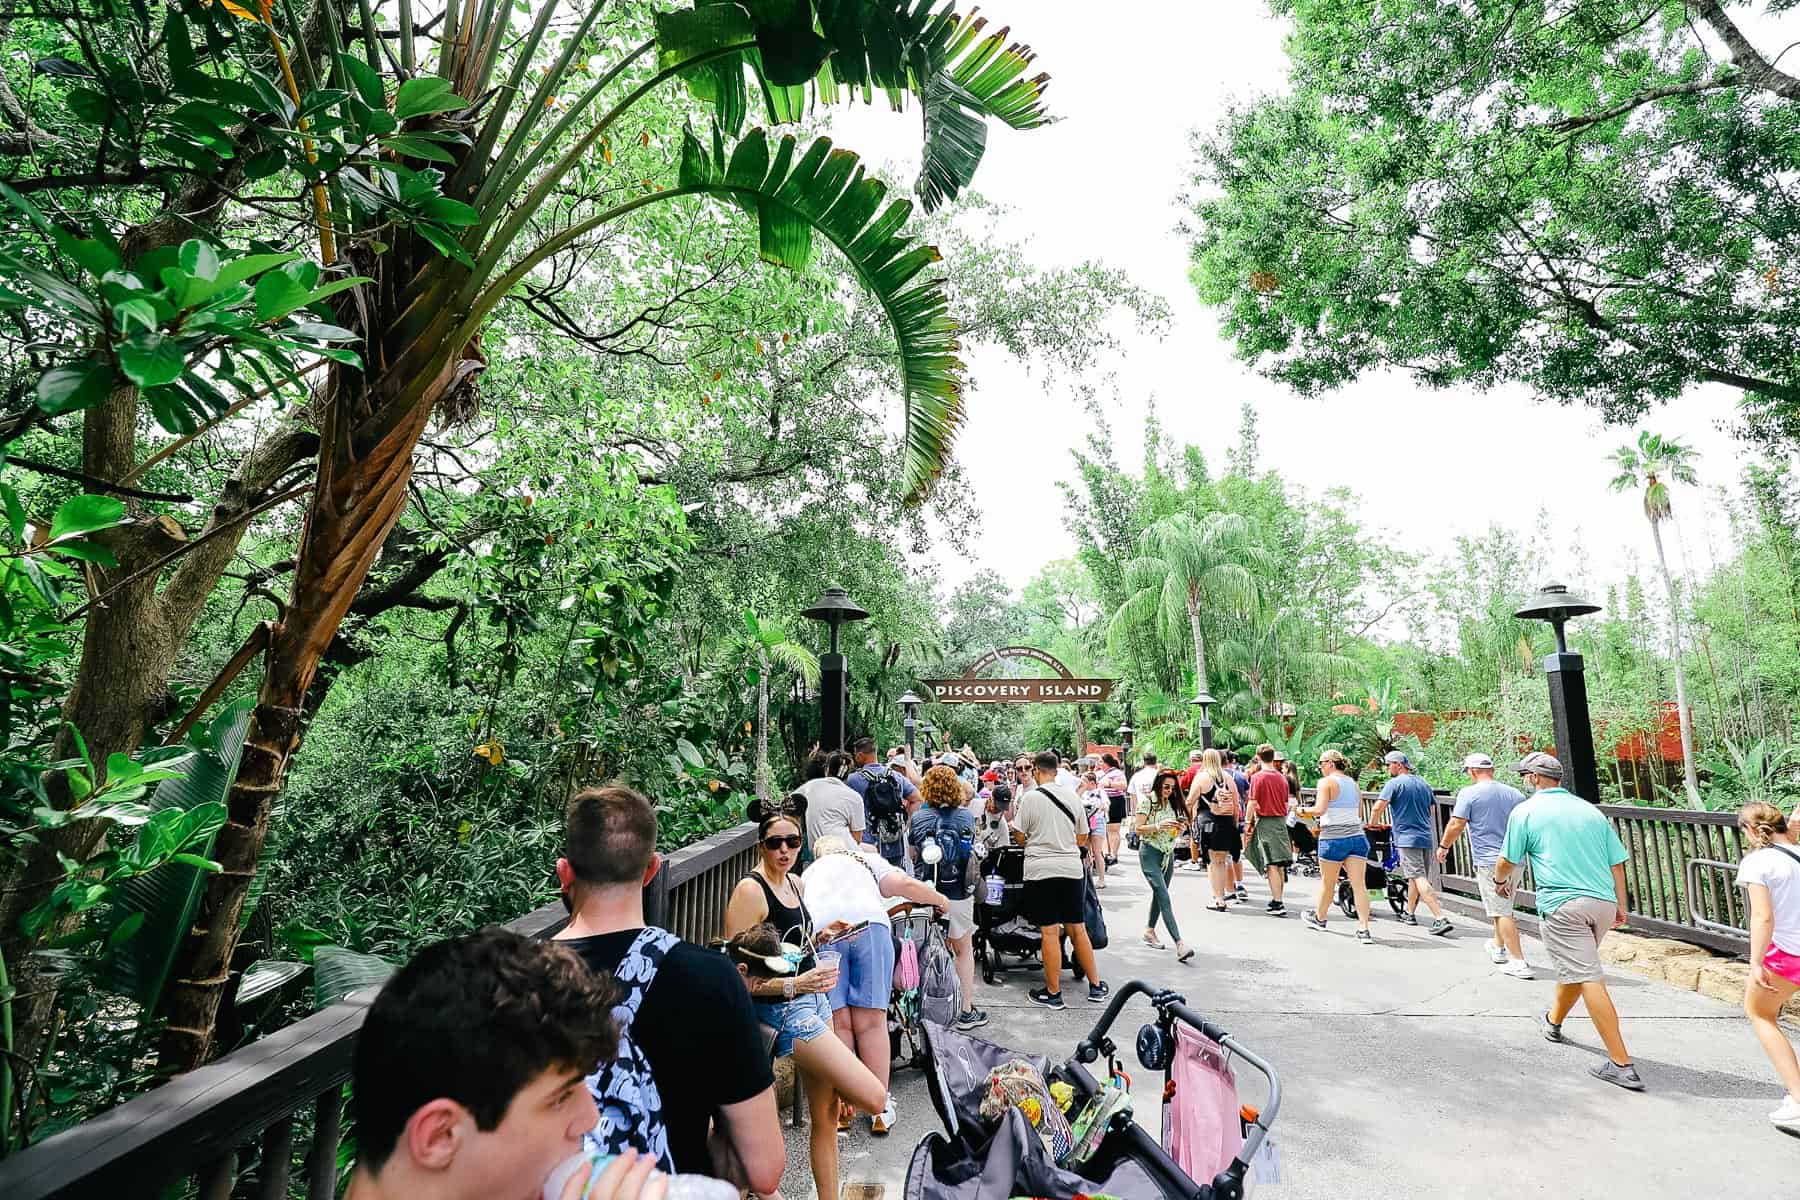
[267,1121]
[1679,878]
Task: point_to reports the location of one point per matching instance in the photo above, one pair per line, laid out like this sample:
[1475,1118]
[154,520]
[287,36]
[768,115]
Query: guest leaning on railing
[1770,874]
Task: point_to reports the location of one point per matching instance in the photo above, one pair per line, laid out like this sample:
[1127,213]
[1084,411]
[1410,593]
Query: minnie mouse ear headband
[762,965]
[791,805]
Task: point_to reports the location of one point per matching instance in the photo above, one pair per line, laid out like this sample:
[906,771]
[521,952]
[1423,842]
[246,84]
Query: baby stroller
[999,929]
[1377,874]
[975,1159]
[1306,849]
[919,927]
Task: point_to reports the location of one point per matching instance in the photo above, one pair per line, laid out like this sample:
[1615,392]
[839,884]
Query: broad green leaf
[425,94]
[15,512]
[168,895]
[445,241]
[139,312]
[411,145]
[367,83]
[279,293]
[338,972]
[152,359]
[88,552]
[243,268]
[85,514]
[199,259]
[791,50]
[74,386]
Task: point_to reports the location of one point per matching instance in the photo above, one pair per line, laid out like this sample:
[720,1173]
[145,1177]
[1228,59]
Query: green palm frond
[826,190]
[796,658]
[844,49]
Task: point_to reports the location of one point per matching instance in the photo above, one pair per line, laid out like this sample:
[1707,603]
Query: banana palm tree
[1186,565]
[772,646]
[1651,463]
[512,119]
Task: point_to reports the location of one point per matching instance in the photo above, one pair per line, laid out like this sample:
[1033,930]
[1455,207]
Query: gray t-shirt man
[832,809]
[1486,806]
[1050,849]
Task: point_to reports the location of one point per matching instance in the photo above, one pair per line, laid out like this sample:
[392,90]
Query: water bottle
[996,890]
[681,1187]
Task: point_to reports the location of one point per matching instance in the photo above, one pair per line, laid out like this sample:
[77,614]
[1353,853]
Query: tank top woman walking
[1343,846]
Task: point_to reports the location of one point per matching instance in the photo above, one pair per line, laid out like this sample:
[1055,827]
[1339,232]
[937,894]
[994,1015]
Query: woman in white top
[1770,874]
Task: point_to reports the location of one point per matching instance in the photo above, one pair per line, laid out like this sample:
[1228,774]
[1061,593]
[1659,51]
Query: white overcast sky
[1104,183]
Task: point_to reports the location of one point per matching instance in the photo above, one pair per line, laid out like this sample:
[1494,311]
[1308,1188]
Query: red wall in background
[1636,748]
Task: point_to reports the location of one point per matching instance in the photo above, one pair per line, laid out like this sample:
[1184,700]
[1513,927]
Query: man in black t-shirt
[695,1025]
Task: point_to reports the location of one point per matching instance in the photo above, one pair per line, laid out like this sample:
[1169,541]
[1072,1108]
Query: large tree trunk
[370,426]
[1690,776]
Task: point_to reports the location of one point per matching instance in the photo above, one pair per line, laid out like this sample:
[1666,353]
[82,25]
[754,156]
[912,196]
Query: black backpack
[950,876]
[887,804]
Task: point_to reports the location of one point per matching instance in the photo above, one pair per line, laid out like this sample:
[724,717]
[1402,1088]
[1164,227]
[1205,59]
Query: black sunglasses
[792,842]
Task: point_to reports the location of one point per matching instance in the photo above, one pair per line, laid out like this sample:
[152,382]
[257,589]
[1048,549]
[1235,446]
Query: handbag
[1092,915]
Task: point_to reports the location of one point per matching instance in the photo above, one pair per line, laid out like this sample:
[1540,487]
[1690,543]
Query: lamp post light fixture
[835,608]
[1203,700]
[927,734]
[909,704]
[1125,732]
[1556,604]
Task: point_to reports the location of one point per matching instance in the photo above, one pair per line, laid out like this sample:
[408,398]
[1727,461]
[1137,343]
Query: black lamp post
[1125,732]
[1203,700]
[834,608]
[909,704]
[927,734]
[1568,689]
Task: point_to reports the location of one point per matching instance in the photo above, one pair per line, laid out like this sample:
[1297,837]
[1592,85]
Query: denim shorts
[866,972]
[1338,849]
[798,1020]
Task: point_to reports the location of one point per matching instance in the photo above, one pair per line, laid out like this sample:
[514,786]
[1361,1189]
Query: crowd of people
[617,1055]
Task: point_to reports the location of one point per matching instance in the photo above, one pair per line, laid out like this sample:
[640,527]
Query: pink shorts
[1781,963]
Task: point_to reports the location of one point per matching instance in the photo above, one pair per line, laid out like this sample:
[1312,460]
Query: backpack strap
[637,970]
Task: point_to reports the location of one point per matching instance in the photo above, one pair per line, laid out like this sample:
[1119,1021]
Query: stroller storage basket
[973,1160]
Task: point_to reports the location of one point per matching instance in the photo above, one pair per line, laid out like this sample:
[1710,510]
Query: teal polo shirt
[1572,848]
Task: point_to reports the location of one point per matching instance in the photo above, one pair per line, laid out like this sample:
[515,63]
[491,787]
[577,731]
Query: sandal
[1186,953]
[1218,908]
[1151,941]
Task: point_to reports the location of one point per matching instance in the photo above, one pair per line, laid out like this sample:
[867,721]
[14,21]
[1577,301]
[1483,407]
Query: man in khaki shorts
[1483,808]
[1577,863]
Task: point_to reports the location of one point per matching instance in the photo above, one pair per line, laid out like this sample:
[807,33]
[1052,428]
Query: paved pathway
[1411,1068]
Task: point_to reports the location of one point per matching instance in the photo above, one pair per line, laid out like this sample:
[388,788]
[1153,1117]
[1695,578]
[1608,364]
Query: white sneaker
[883,1121]
[1496,952]
[1787,1116]
[1518,968]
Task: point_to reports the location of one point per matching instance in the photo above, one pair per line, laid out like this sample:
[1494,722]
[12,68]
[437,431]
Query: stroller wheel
[1346,899]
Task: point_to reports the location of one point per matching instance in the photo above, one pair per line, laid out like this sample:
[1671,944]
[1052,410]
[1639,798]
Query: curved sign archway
[973,689]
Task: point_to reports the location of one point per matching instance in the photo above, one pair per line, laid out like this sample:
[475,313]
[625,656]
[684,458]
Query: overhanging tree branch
[1758,70]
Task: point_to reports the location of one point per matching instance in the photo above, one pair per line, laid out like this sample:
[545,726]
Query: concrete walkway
[1411,1068]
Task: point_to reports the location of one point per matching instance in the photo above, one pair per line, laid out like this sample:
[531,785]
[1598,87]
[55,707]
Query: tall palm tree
[771,646]
[514,117]
[1185,565]
[1652,463]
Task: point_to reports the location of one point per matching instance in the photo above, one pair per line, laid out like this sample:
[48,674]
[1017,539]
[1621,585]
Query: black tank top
[789,920]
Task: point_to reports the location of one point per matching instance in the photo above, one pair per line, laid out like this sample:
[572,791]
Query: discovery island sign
[972,689]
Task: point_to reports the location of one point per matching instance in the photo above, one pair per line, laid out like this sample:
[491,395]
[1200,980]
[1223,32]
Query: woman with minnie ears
[767,915]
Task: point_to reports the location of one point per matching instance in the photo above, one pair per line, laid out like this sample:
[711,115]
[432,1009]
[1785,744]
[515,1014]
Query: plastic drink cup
[828,960]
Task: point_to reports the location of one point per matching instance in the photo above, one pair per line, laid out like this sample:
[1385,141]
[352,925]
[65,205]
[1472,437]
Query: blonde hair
[1336,758]
[1215,763]
[1761,823]
[831,843]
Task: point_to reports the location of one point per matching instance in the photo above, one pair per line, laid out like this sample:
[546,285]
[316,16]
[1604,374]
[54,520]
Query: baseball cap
[1394,756]
[1478,761]
[1280,757]
[989,777]
[1540,763]
[1196,755]
[953,760]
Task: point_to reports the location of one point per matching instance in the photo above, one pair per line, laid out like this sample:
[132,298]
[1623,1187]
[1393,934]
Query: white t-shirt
[1140,782]
[1066,778]
[832,809]
[1777,871]
[847,887]
[1050,849]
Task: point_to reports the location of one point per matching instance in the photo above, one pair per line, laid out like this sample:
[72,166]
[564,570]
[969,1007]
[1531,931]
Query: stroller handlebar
[1090,1048]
